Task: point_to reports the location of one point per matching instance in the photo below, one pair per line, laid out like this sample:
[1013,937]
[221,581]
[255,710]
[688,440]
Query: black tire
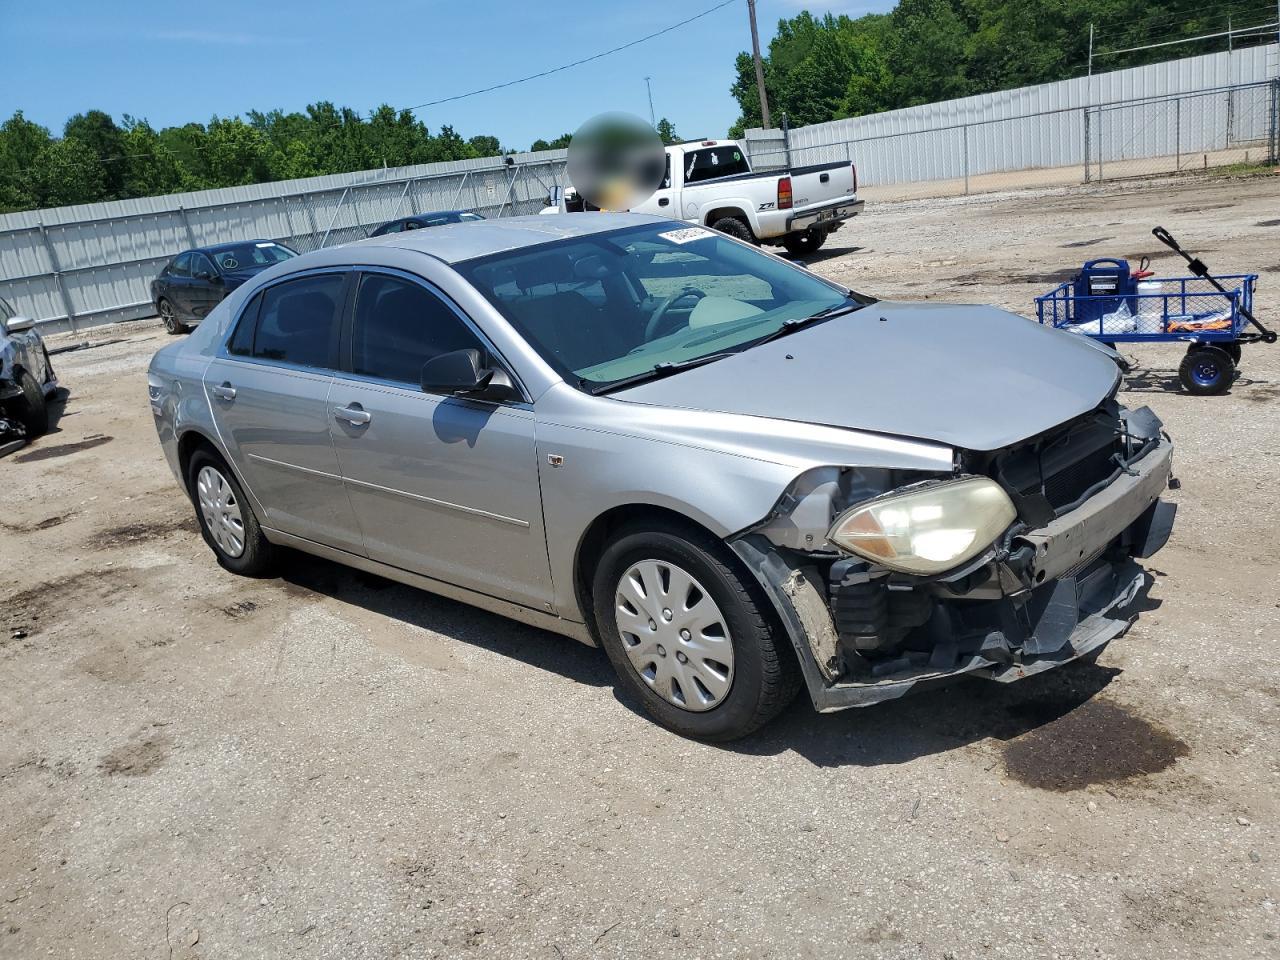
[1233,351]
[738,229]
[32,409]
[765,676]
[169,316]
[257,557]
[803,244]
[1206,371]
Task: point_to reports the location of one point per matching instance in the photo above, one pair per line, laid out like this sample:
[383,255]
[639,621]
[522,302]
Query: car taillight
[855,176]
[784,193]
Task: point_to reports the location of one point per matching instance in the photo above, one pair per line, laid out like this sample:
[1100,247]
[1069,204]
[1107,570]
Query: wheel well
[603,529]
[188,444]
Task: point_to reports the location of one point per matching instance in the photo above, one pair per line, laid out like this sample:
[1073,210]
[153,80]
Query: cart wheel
[1206,370]
[1233,351]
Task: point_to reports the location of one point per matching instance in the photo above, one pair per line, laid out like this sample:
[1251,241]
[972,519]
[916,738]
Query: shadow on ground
[932,721]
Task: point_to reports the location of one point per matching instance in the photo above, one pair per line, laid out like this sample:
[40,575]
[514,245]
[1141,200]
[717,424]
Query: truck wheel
[803,244]
[738,229]
[1206,371]
[32,409]
[686,636]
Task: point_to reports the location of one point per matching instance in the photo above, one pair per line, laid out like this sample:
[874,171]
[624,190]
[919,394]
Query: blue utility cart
[1211,315]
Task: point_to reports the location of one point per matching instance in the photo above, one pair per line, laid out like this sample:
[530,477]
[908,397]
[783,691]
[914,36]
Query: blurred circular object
[616,161]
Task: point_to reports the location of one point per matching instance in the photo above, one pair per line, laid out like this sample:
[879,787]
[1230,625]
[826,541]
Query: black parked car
[196,281]
[418,221]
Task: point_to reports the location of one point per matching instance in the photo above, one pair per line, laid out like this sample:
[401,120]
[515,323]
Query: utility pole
[653,120]
[1091,47]
[755,54]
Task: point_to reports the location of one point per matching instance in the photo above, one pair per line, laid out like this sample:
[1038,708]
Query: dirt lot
[329,765]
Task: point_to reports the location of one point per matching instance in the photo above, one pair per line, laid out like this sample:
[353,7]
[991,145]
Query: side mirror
[16,324]
[463,373]
[206,275]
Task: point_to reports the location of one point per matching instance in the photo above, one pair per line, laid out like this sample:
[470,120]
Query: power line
[576,63]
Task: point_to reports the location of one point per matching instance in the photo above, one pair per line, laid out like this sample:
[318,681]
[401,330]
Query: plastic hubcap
[221,511]
[660,609]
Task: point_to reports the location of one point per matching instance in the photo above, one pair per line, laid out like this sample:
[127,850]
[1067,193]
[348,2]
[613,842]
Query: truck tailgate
[819,185]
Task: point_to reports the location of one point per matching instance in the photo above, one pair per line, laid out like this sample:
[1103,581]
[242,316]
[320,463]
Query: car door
[178,285]
[268,387]
[442,486]
[662,199]
[206,286]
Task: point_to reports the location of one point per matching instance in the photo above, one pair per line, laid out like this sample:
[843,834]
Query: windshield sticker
[687,235]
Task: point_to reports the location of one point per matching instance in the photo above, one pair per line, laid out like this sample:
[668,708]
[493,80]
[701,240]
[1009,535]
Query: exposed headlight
[927,530]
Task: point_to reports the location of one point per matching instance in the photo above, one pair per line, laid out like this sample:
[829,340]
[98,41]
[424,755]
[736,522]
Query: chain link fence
[1136,138]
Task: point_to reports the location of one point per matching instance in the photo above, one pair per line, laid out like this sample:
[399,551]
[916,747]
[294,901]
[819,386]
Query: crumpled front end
[1056,586]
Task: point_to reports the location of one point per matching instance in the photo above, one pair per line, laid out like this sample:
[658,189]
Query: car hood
[973,377]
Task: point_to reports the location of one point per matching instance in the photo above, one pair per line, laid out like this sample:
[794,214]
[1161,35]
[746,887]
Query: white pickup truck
[710,182]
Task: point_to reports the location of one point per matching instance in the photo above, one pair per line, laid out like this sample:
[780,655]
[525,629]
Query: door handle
[353,415]
[224,392]
[664,201]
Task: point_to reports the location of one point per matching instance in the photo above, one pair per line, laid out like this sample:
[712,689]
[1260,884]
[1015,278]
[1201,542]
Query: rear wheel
[226,520]
[803,244]
[1233,351]
[687,636]
[170,317]
[1206,370]
[735,228]
[32,408]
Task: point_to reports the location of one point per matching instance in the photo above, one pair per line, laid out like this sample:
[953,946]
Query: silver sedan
[735,476]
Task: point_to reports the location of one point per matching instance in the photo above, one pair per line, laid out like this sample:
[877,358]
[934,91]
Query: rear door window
[297,321]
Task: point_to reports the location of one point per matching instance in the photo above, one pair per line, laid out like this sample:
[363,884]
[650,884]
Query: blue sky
[147,59]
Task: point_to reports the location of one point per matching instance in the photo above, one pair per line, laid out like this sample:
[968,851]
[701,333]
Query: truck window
[713,163]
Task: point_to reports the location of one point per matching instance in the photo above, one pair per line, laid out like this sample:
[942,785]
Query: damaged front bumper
[1043,598]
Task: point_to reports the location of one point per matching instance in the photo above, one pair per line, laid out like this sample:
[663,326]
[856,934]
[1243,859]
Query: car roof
[456,242]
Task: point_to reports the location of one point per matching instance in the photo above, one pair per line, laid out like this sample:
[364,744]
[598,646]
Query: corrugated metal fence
[76,266]
[1206,110]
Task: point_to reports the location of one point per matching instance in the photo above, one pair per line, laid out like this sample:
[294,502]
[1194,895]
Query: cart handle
[1200,270]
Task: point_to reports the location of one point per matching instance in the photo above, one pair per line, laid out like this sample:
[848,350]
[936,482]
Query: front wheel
[227,522]
[1206,371]
[32,407]
[688,638]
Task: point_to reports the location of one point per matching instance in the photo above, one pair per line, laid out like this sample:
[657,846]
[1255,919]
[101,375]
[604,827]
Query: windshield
[244,255]
[617,306]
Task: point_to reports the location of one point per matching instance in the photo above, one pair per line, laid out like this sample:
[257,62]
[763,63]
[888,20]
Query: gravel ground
[329,765]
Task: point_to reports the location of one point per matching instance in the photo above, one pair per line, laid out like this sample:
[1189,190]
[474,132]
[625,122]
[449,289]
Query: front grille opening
[1054,473]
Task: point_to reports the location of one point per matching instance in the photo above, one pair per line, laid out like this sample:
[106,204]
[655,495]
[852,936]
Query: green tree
[667,131]
[66,171]
[485,146]
[97,131]
[20,144]
[559,143]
